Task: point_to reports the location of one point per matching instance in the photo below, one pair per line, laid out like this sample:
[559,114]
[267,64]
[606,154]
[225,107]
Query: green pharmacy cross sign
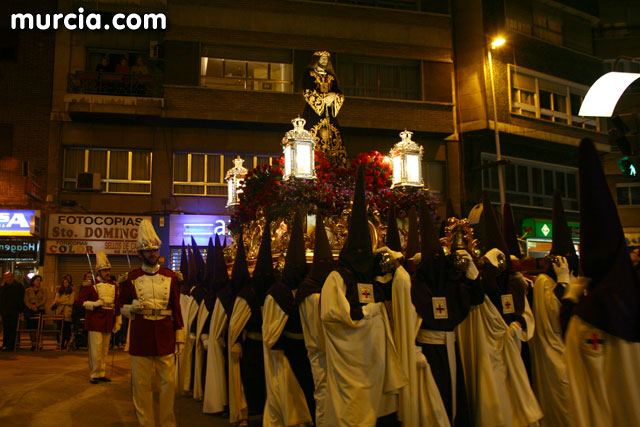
[543,228]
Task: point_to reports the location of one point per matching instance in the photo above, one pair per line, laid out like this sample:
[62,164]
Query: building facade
[538,79]
[224,80]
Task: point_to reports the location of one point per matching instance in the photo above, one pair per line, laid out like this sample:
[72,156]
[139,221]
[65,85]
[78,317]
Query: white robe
[496,379]
[198,352]
[314,341]
[215,388]
[187,354]
[420,402]
[604,377]
[550,378]
[181,364]
[285,403]
[364,376]
[238,408]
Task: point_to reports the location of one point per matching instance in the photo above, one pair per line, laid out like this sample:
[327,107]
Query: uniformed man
[102,316]
[151,296]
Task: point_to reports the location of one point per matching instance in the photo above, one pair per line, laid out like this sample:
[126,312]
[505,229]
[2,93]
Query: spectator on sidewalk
[63,306]
[11,305]
[35,299]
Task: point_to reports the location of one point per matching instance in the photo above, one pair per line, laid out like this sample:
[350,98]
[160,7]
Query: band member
[102,316]
[151,297]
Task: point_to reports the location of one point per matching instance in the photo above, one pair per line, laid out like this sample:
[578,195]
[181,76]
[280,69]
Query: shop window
[202,174]
[121,171]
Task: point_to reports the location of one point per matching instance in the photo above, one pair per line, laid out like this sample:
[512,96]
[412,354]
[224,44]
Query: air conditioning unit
[88,181]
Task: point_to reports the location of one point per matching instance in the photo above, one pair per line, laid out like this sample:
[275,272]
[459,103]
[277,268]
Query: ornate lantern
[298,146]
[406,156]
[235,177]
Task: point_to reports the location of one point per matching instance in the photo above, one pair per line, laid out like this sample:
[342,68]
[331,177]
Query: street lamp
[497,42]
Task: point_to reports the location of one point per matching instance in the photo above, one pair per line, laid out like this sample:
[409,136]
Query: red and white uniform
[152,340]
[99,321]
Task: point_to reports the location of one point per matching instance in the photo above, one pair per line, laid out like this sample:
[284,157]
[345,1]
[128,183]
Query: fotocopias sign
[76,234]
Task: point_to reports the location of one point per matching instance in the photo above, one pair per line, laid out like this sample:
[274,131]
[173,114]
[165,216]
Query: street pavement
[51,388]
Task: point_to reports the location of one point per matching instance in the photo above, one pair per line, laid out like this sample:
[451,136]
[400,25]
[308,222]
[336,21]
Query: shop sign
[19,249]
[76,234]
[543,228]
[201,227]
[19,222]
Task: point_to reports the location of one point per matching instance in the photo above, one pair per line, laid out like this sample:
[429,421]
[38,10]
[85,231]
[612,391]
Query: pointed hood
[492,235]
[240,277]
[220,273]
[102,262]
[210,264]
[295,264]
[263,274]
[430,244]
[413,240]
[393,235]
[562,244]
[357,253]
[147,238]
[613,301]
[184,263]
[509,231]
[323,263]
[199,262]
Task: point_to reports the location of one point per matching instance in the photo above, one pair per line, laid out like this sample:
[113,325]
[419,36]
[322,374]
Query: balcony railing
[93,82]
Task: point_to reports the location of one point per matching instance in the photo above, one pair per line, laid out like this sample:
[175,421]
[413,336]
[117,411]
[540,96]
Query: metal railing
[101,83]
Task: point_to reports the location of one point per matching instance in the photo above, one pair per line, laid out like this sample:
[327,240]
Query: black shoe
[104,379]
[94,380]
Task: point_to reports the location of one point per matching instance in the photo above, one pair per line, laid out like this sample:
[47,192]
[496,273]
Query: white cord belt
[293,335]
[256,336]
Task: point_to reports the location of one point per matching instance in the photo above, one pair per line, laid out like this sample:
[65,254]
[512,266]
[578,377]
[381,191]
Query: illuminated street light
[603,95]
[495,44]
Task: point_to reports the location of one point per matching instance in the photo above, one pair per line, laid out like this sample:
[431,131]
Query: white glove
[117,324]
[493,256]
[88,305]
[515,330]
[562,270]
[179,276]
[126,310]
[236,351]
[192,336]
[472,270]
[416,259]
[205,341]
[179,341]
[122,277]
[97,303]
[421,360]
[575,288]
[136,305]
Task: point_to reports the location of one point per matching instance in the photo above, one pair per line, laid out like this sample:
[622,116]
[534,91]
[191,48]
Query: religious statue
[323,102]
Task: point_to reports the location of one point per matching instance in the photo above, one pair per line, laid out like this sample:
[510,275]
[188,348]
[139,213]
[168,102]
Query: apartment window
[545,97]
[628,194]
[625,65]
[531,184]
[379,77]
[233,74]
[547,27]
[121,171]
[202,174]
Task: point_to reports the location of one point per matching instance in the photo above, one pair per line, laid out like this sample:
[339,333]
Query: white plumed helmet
[147,238]
[102,262]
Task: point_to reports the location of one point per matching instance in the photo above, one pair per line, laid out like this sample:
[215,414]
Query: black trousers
[9,326]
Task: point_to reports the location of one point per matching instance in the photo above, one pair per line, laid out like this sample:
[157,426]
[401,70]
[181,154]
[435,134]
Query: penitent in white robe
[189,308]
[496,379]
[238,408]
[420,402]
[364,376]
[215,388]
[285,404]
[604,377]
[198,352]
[314,341]
[550,378]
